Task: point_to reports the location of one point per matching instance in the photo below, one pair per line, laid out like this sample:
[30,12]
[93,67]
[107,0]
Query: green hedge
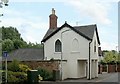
[47,76]
[17,77]
[14,66]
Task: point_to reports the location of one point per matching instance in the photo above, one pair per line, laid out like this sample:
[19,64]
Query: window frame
[58,46]
[95,46]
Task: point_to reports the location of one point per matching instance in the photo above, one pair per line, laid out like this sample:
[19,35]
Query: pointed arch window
[58,46]
[95,46]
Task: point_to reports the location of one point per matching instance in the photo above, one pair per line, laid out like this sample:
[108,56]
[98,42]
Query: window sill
[57,52]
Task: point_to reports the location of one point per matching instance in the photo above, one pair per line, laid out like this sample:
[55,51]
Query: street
[111,77]
[107,78]
[104,77]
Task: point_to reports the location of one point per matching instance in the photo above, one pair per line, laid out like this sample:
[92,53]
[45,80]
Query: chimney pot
[53,20]
[53,11]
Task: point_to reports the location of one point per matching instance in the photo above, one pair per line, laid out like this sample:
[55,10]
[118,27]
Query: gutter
[89,60]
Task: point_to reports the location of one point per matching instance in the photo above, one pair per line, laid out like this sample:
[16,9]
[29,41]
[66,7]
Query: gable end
[65,25]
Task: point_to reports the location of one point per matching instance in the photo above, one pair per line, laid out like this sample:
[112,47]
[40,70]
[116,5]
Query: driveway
[104,77]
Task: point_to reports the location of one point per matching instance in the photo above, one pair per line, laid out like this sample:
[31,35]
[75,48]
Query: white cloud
[32,28]
[30,31]
[96,10]
[33,32]
[108,46]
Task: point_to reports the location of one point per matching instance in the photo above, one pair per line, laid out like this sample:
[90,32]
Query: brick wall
[104,68]
[49,65]
[111,68]
[100,69]
[118,68]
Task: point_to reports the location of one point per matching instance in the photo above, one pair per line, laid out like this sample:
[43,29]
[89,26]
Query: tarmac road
[104,78]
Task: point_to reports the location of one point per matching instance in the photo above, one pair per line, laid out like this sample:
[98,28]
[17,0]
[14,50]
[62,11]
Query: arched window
[95,46]
[75,45]
[58,46]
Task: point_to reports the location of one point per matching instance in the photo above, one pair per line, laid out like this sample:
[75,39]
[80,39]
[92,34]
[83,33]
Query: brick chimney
[53,20]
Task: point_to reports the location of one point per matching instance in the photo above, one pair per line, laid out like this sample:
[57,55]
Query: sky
[31,17]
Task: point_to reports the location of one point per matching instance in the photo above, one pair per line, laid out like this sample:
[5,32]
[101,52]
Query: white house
[75,46]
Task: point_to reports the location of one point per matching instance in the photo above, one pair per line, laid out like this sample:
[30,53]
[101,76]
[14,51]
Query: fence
[108,68]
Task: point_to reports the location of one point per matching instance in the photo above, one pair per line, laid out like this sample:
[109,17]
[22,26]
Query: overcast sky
[31,17]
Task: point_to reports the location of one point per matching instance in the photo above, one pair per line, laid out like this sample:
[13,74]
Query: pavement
[104,77]
[107,78]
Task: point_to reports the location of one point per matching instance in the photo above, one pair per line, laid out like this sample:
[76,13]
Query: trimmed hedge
[23,68]
[17,77]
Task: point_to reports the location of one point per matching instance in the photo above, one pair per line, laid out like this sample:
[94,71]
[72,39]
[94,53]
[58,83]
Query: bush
[16,77]
[14,66]
[111,62]
[45,74]
[24,68]
[102,62]
[118,62]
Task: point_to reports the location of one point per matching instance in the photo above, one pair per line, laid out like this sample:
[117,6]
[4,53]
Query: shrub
[111,62]
[45,74]
[118,62]
[24,68]
[102,62]
[14,66]
[16,77]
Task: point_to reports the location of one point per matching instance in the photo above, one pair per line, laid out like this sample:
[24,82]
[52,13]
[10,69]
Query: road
[107,78]
[111,77]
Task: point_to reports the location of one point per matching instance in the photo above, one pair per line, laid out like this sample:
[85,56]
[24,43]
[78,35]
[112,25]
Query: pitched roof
[85,31]
[26,55]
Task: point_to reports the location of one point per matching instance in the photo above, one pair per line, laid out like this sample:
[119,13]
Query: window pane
[95,46]
[58,46]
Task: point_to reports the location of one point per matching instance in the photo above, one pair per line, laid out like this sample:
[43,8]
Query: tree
[110,56]
[10,33]
[11,40]
[7,45]
[19,44]
[0,48]
[14,66]
[36,45]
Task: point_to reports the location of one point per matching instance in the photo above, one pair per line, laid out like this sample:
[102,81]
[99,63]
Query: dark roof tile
[26,55]
[86,31]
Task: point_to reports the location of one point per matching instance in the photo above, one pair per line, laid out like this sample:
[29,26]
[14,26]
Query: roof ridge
[85,25]
[82,30]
